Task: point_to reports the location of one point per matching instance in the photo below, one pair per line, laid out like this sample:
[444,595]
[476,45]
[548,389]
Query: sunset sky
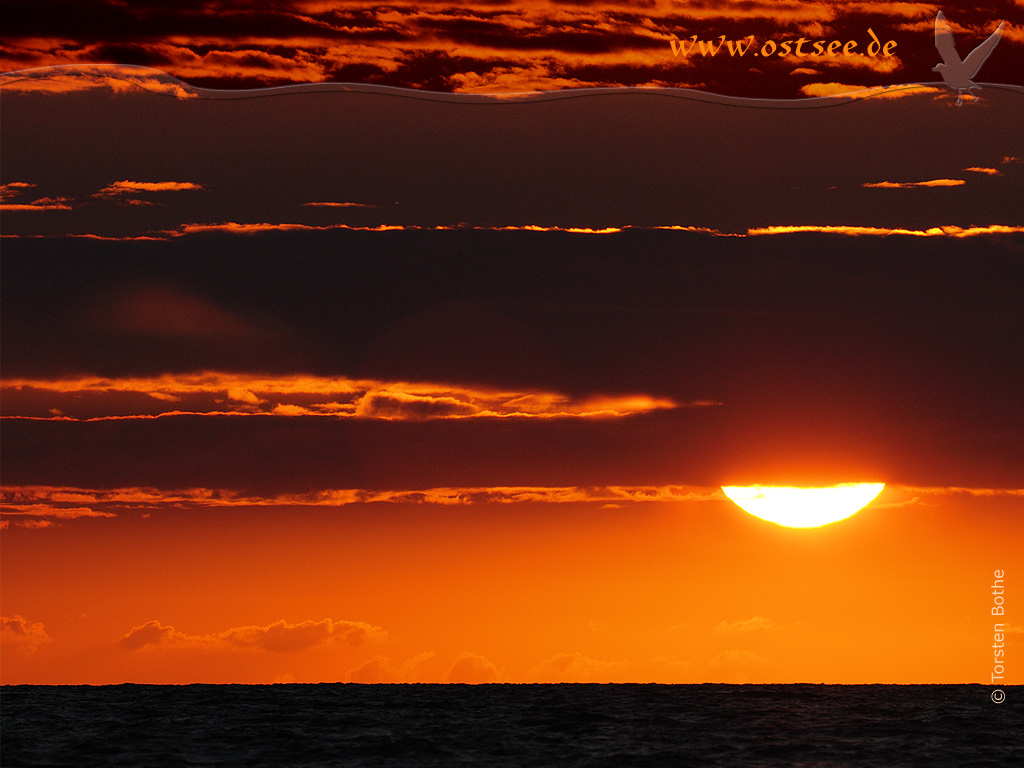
[442,385]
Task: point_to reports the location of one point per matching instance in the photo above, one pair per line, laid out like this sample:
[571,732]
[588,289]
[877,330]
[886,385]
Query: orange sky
[666,591]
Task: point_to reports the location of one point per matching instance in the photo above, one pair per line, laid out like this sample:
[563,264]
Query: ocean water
[511,725]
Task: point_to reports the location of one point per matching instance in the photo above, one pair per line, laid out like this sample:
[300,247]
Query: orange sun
[803,507]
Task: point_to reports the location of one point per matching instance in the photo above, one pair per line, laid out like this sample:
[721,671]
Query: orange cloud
[244,63]
[472,669]
[1011,32]
[944,231]
[51,76]
[1014,634]
[515,79]
[87,236]
[119,190]
[132,187]
[339,205]
[45,510]
[959,491]
[70,503]
[912,184]
[219,393]
[25,497]
[16,632]
[863,91]
[704,230]
[740,666]
[14,189]
[43,204]
[411,407]
[245,229]
[905,10]
[753,624]
[381,669]
[875,64]
[279,637]
[577,668]
[150,633]
[282,637]
[238,228]
[37,524]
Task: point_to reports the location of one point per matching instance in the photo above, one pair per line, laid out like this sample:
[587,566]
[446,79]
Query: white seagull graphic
[955,72]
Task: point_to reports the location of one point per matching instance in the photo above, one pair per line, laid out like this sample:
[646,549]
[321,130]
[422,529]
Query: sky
[349,383]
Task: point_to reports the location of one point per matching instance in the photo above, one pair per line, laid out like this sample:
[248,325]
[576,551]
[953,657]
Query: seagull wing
[944,41]
[977,57]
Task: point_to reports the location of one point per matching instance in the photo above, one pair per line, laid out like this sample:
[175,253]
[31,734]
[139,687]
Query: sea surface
[511,725]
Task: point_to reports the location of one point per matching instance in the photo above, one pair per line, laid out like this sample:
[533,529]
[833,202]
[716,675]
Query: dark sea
[512,725]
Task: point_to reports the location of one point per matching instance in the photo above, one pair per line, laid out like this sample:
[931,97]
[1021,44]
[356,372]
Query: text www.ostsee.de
[800,47]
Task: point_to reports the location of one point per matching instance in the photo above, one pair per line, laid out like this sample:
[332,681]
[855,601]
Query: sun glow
[803,507]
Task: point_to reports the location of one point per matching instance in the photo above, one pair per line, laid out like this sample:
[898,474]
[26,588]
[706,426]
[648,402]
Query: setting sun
[803,507]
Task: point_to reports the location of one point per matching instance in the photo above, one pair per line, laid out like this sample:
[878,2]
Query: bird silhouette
[955,72]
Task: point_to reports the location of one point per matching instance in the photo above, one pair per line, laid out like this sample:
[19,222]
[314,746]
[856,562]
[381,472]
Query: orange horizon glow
[643,590]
